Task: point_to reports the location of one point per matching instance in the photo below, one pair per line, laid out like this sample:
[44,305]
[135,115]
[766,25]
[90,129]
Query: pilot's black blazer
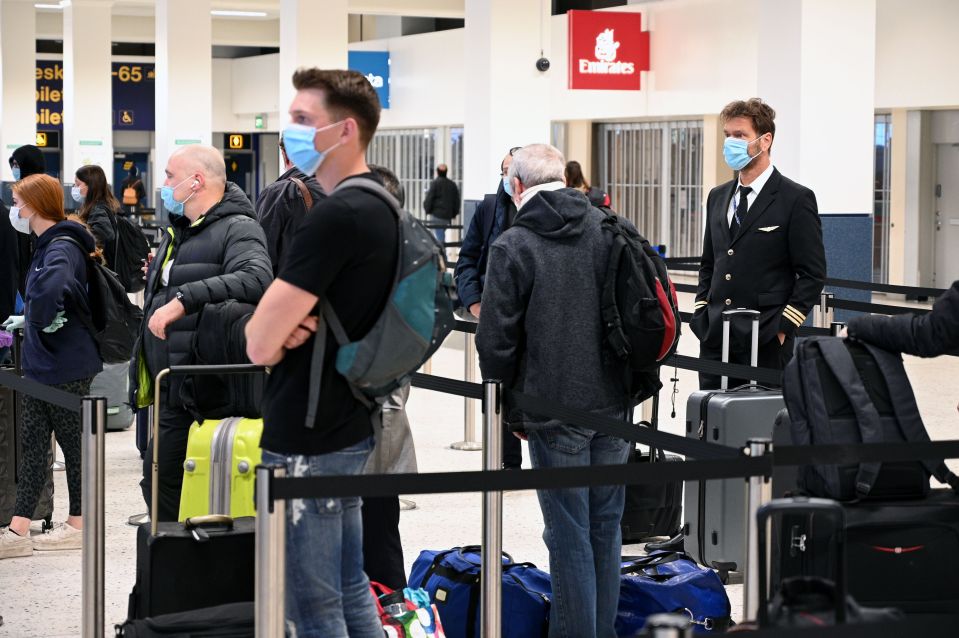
[776,263]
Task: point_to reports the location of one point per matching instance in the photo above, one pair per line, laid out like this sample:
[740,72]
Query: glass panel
[881,199]
[410,153]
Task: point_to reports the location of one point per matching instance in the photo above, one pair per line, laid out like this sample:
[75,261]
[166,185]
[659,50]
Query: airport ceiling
[270,10]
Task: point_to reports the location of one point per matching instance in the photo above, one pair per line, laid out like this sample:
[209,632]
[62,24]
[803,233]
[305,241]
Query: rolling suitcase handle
[728,316]
[802,505]
[242,368]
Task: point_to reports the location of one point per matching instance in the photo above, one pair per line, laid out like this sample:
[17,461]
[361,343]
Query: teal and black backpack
[415,321]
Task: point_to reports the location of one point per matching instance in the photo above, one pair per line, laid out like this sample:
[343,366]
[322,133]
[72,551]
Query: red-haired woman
[57,351]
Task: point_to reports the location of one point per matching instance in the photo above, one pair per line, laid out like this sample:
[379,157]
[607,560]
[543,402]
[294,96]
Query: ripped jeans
[327,593]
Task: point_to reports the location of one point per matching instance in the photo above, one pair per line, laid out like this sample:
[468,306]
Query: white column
[184,66]
[312,34]
[87,87]
[18,112]
[817,68]
[508,101]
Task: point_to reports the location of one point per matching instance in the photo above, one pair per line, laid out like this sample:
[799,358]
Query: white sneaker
[13,545]
[62,536]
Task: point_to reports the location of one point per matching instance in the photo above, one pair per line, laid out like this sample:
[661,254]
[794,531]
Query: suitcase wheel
[724,569]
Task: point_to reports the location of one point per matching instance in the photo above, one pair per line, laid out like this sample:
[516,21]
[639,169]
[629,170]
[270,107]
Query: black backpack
[641,321]
[132,249]
[847,392]
[115,321]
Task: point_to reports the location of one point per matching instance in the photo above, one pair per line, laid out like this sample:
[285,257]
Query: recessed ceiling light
[48,6]
[238,14]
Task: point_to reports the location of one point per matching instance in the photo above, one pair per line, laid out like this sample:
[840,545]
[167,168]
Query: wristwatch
[179,297]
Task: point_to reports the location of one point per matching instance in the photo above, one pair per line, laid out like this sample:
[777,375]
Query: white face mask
[21,224]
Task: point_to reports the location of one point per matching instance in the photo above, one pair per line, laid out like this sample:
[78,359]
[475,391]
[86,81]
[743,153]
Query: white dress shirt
[756,186]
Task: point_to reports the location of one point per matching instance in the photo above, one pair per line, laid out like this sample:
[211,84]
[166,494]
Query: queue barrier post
[93,419]
[491,594]
[270,555]
[759,491]
[836,328]
[469,442]
[825,310]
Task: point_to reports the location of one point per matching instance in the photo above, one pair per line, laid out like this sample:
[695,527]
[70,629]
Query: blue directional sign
[375,65]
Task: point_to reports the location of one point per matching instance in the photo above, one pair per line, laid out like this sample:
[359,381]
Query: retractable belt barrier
[37,390]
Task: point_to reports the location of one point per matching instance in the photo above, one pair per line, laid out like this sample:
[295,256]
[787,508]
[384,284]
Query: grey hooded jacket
[541,331]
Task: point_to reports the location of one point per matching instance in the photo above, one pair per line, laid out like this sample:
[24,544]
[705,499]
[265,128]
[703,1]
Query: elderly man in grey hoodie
[541,334]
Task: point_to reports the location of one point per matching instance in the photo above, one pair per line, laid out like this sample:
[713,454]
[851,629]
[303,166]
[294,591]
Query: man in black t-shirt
[344,252]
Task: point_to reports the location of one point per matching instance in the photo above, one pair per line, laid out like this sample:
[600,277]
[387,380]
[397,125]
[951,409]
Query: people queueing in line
[551,263]
[762,250]
[492,216]
[394,453]
[213,251]
[926,335]
[442,202]
[133,191]
[575,179]
[281,206]
[98,209]
[345,253]
[58,351]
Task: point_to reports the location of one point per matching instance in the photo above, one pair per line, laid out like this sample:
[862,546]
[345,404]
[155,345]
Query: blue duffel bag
[452,579]
[671,582]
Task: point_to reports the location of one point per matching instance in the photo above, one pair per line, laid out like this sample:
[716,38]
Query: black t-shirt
[344,250]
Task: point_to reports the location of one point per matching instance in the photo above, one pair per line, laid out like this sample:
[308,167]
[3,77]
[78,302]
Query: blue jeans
[327,593]
[582,532]
[440,233]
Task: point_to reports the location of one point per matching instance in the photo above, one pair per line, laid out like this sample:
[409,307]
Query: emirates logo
[605,62]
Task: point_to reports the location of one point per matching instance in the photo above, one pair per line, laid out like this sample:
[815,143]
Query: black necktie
[740,215]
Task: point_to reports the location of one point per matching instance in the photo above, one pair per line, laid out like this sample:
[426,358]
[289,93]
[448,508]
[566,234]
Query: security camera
[542,64]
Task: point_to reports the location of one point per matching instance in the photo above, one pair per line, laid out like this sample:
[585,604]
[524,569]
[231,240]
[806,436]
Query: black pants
[512,450]
[771,355]
[40,419]
[174,429]
[382,549]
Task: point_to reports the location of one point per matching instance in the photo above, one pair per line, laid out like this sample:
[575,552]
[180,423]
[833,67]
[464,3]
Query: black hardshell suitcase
[714,512]
[652,510]
[10,453]
[206,561]
[900,553]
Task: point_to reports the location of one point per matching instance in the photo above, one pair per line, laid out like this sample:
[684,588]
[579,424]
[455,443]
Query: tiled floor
[41,594]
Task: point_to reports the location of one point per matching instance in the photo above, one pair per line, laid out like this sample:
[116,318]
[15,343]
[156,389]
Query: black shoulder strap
[837,357]
[907,410]
[85,320]
[370,186]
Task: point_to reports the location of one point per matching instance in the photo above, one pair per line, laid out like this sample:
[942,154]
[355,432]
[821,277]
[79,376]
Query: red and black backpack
[641,322]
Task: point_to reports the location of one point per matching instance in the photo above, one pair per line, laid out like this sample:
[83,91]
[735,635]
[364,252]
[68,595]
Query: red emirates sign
[607,50]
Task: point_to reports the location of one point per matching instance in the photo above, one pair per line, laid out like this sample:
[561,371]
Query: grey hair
[538,164]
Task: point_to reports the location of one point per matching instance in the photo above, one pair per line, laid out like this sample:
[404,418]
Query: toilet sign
[607,50]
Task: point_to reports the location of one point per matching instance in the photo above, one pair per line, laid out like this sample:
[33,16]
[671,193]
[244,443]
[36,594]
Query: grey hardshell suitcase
[715,511]
[113,384]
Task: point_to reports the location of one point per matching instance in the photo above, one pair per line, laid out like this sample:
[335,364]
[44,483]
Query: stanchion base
[138,519]
[467,446]
[58,466]
[406,504]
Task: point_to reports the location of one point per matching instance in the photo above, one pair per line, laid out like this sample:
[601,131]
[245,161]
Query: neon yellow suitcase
[218,473]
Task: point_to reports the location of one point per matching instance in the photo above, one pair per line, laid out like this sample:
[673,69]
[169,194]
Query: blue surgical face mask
[736,153]
[301,148]
[174,207]
[507,186]
[76,194]
[16,173]
[22,224]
